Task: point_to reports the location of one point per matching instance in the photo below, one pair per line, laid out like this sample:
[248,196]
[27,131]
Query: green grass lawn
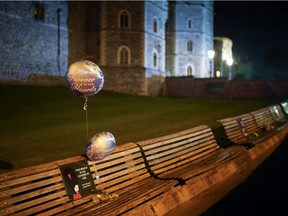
[41,124]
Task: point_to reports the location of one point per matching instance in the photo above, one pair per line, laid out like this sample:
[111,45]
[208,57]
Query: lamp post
[211,54]
[229,62]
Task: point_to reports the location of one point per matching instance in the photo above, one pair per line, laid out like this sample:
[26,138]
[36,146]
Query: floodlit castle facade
[136,43]
[189,36]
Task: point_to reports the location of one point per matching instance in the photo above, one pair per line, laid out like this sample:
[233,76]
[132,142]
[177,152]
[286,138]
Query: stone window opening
[189,71]
[155,25]
[124,19]
[189,24]
[190,46]
[124,55]
[39,11]
[155,60]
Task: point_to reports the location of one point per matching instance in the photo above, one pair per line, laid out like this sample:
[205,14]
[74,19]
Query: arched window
[39,11]
[124,55]
[155,60]
[189,71]
[189,24]
[155,25]
[190,46]
[124,19]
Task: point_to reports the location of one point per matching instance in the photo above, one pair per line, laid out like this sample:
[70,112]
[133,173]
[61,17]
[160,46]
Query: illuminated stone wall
[32,39]
[154,43]
[189,21]
[126,80]
[40,46]
[94,34]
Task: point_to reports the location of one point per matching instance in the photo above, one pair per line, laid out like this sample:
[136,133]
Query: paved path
[265,192]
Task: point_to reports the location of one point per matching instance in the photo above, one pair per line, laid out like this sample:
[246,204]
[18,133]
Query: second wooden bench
[250,128]
[186,154]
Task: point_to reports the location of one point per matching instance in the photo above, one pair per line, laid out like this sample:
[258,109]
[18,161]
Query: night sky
[258,29]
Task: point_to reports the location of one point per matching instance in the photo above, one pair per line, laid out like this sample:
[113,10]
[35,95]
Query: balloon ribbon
[85,107]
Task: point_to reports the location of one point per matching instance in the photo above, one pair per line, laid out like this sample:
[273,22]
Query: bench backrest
[239,128]
[263,117]
[123,168]
[167,153]
[35,189]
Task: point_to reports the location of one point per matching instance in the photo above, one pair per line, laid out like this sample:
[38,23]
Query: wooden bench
[280,119]
[186,154]
[40,190]
[250,128]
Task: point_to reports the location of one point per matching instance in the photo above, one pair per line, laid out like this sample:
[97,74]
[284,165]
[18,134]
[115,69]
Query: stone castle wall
[189,21]
[29,45]
[125,80]
[36,46]
[223,88]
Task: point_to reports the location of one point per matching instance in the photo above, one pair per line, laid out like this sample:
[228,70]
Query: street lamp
[229,62]
[211,54]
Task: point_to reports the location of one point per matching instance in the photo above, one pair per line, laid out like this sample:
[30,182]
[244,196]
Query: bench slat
[177,165]
[29,178]
[29,186]
[44,190]
[38,168]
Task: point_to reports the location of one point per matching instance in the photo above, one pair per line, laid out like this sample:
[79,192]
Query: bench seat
[186,154]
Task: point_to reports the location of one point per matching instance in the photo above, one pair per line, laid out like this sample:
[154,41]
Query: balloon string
[85,107]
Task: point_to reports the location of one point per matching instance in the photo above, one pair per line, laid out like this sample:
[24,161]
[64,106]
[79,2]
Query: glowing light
[211,54]
[229,61]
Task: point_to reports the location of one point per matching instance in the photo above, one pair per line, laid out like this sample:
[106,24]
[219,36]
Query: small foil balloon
[100,146]
[85,78]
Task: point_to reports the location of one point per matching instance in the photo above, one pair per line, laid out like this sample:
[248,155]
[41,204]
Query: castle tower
[132,43]
[189,36]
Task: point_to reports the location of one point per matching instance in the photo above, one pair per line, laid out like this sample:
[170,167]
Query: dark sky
[258,29]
